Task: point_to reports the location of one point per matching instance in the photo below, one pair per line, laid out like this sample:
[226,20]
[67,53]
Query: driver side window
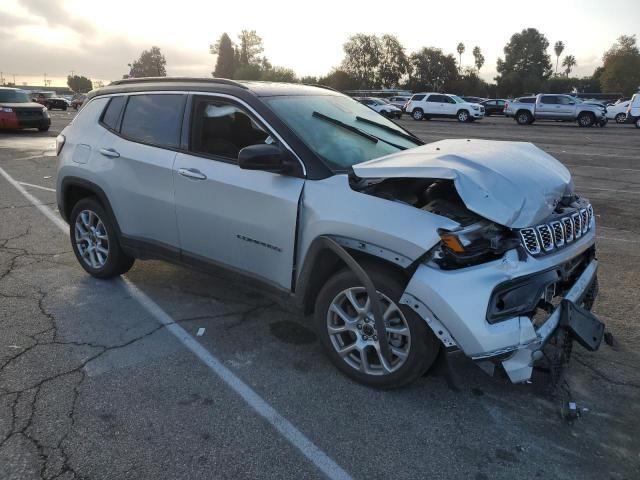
[221,129]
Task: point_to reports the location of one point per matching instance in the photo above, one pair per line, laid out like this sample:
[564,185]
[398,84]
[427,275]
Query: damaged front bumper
[455,304]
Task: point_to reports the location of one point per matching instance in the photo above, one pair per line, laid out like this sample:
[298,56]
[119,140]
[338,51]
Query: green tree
[393,63]
[468,83]
[621,67]
[79,84]
[279,74]
[227,60]
[568,63]
[248,72]
[460,48]
[150,64]
[250,48]
[526,63]
[431,69]
[340,80]
[478,58]
[558,48]
[309,80]
[362,58]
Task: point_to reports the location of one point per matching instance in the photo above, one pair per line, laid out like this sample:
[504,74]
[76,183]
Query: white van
[633,110]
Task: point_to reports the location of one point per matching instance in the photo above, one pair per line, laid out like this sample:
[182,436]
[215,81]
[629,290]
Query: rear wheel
[417,114]
[621,118]
[64,107]
[43,129]
[638,122]
[463,116]
[524,118]
[586,119]
[95,242]
[346,328]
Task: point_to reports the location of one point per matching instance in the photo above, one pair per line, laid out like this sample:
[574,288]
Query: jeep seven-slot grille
[558,233]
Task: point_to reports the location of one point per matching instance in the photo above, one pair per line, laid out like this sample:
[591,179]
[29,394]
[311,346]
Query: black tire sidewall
[621,116]
[521,114]
[417,110]
[117,262]
[460,112]
[424,344]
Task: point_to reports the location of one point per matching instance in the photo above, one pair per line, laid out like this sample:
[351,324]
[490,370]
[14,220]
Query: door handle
[109,152]
[192,173]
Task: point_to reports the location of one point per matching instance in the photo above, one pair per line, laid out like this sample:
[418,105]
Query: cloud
[55,15]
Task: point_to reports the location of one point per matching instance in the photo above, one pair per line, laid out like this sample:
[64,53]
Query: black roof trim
[223,81]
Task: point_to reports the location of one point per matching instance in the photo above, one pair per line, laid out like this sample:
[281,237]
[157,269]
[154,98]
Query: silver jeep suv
[401,250]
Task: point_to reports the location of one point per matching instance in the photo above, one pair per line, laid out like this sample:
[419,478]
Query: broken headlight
[477,243]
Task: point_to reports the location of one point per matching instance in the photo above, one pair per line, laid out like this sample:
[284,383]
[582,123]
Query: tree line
[372,61]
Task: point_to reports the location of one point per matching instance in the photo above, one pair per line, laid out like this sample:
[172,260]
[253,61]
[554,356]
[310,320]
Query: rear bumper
[455,304]
[10,120]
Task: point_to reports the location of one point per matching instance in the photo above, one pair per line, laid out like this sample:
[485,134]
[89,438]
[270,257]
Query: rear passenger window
[112,112]
[548,99]
[222,129]
[154,119]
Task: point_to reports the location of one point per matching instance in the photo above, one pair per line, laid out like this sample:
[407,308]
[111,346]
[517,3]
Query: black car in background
[50,100]
[18,111]
[493,107]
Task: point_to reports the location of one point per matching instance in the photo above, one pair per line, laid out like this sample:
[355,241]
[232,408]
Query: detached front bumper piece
[487,310]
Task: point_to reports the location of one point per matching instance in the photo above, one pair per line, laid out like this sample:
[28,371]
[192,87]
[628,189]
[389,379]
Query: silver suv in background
[400,250]
[527,110]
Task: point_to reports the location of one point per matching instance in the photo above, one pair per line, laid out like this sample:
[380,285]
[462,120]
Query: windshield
[457,99]
[339,130]
[13,96]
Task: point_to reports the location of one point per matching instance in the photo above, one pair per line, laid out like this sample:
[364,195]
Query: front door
[242,219]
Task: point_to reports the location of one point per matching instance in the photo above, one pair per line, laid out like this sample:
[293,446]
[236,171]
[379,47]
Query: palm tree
[479,58]
[460,52]
[558,48]
[568,63]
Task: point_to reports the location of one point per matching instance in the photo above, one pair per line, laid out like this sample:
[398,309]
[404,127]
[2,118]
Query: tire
[463,116]
[621,118]
[421,346]
[43,129]
[89,219]
[417,114]
[638,122]
[524,117]
[586,119]
[64,108]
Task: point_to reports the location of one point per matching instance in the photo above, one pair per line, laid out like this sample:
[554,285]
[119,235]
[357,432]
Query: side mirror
[269,158]
[572,103]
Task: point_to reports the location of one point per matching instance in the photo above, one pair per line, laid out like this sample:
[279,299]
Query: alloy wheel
[353,335]
[91,239]
[463,116]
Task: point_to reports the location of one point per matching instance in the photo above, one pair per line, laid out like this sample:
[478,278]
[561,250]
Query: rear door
[433,105]
[136,156]
[546,107]
[243,219]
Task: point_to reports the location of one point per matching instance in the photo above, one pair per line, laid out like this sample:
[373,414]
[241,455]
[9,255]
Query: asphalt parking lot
[109,379]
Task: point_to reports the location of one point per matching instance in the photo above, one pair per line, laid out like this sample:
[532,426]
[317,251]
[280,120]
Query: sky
[99,39]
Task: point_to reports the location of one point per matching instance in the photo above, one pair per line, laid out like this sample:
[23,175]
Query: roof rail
[223,81]
[319,85]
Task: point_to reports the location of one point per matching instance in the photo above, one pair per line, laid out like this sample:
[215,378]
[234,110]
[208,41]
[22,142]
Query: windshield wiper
[355,130]
[408,136]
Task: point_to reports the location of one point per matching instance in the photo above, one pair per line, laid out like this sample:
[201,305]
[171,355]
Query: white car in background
[431,105]
[399,101]
[381,106]
[633,110]
[618,112]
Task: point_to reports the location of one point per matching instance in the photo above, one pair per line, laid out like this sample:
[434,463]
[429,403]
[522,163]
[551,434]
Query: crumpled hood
[515,184]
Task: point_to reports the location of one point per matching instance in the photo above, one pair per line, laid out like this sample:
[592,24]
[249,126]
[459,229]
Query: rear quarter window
[417,98]
[111,114]
[154,119]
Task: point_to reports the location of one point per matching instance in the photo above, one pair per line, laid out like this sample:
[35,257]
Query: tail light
[60,139]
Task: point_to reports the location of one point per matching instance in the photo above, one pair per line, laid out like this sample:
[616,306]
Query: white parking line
[25,184]
[298,439]
[591,154]
[605,168]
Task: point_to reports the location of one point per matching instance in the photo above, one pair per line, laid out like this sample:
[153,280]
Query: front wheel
[586,119]
[621,118]
[345,325]
[463,116]
[638,122]
[95,242]
[417,114]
